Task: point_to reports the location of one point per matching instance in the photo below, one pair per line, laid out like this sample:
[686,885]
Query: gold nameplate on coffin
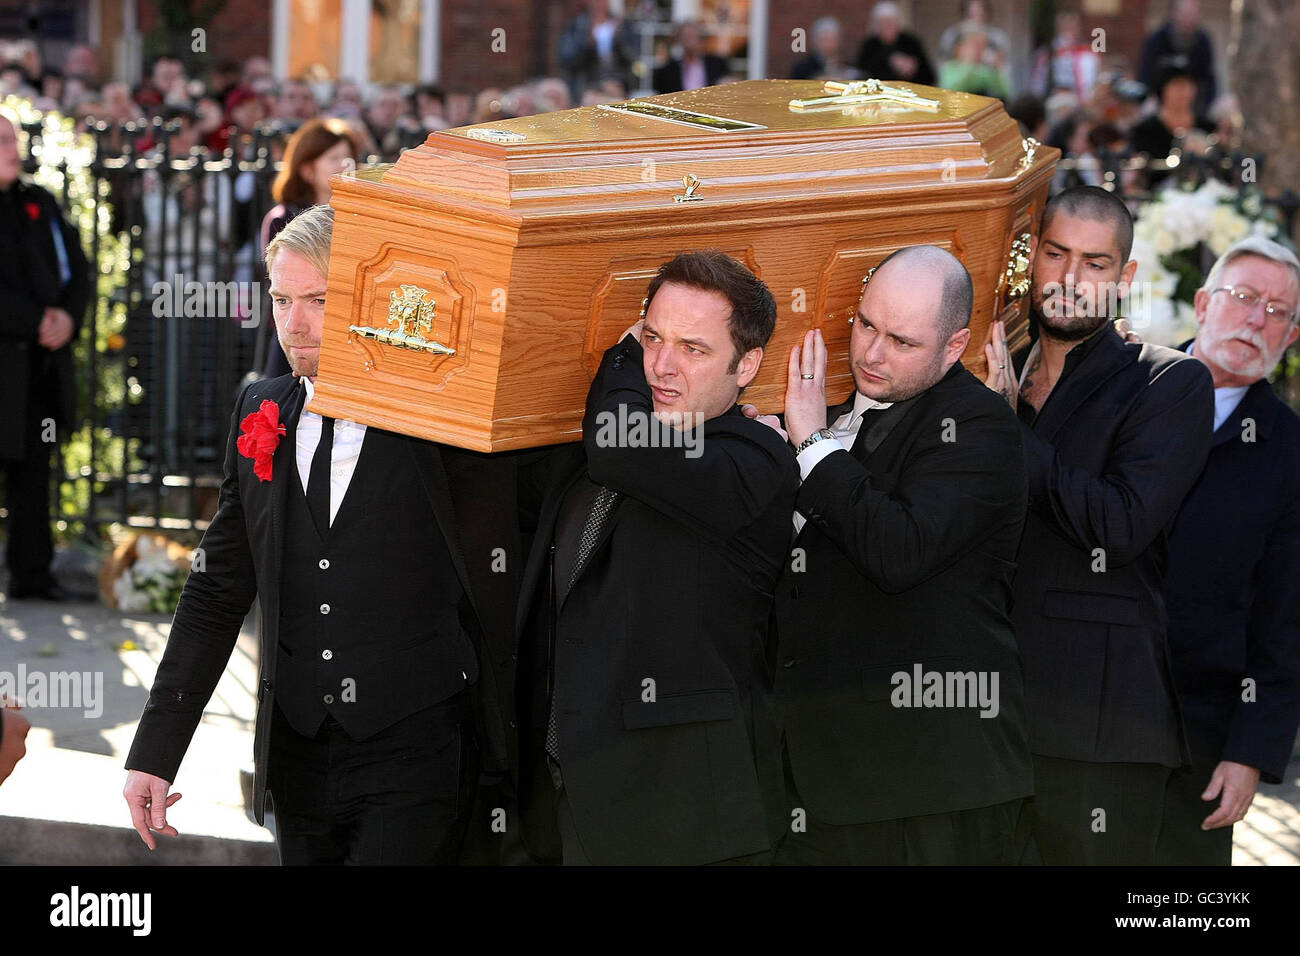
[536,237]
[714,124]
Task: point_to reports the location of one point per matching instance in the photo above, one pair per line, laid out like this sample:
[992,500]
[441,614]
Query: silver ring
[808,377]
[1001,366]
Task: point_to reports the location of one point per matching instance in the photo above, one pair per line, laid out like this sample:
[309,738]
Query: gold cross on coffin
[860,93]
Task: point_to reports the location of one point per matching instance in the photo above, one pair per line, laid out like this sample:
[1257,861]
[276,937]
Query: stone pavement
[63,803]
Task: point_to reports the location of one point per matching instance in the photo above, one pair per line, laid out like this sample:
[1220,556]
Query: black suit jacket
[1231,589]
[243,549]
[906,558]
[678,592]
[29,283]
[1114,450]
[668,78]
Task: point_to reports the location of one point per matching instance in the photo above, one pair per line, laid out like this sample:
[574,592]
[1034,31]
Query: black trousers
[982,836]
[30,548]
[1182,842]
[576,855]
[1096,814]
[400,797]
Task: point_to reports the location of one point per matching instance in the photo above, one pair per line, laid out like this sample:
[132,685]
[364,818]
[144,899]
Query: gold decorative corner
[1015,277]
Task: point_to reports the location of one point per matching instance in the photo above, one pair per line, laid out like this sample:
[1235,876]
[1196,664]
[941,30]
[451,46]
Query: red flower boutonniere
[262,432]
[34,211]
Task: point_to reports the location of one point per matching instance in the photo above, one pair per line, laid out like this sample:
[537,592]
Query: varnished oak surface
[538,254]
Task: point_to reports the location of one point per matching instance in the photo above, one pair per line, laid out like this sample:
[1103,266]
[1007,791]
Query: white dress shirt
[1226,401]
[348,437]
[845,429]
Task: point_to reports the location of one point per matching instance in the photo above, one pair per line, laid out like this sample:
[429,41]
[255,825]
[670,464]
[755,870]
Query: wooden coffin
[475,283]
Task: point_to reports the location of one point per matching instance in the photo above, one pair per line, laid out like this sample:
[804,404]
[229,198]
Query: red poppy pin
[262,431]
[34,211]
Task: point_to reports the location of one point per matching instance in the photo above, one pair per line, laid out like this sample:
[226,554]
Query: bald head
[935,268]
[912,323]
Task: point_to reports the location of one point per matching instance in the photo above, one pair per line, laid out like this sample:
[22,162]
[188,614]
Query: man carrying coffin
[1115,434]
[651,581]
[1234,560]
[897,681]
[348,537]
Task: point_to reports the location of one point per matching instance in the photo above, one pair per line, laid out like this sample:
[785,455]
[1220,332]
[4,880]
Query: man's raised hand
[805,390]
[1001,375]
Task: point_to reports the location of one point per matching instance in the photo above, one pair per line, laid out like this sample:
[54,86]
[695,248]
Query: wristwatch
[814,438]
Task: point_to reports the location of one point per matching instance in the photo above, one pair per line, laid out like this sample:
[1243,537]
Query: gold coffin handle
[412,311]
[1015,277]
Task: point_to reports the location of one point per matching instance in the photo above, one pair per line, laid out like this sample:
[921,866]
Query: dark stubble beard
[1077,329]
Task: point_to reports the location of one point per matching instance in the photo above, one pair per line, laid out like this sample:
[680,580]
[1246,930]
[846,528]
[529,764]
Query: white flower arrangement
[153,581]
[1176,238]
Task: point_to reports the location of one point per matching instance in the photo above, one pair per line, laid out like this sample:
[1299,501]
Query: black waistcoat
[369,615]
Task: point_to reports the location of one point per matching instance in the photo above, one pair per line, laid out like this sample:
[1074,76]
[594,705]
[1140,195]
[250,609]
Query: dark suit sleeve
[76,292]
[1157,455]
[947,498]
[1262,732]
[210,612]
[740,467]
[20,312]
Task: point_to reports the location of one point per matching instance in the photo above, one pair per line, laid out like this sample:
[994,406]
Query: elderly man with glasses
[1234,559]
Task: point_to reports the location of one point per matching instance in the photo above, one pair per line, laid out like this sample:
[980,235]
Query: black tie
[597,520]
[860,448]
[318,478]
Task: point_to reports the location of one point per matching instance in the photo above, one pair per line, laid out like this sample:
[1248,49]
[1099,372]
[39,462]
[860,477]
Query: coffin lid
[595,157]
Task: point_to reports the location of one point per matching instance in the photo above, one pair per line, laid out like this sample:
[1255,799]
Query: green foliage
[177,18]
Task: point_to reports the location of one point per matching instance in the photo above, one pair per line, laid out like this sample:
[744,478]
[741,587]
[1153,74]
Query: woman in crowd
[319,149]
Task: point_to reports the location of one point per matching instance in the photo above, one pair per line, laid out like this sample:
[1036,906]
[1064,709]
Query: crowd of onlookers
[227,106]
[1105,114]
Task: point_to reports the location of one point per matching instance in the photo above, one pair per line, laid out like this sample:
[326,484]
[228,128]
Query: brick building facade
[459,35]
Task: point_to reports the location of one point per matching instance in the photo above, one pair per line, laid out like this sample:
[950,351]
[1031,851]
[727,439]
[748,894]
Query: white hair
[1255,246]
[825,25]
[887,9]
